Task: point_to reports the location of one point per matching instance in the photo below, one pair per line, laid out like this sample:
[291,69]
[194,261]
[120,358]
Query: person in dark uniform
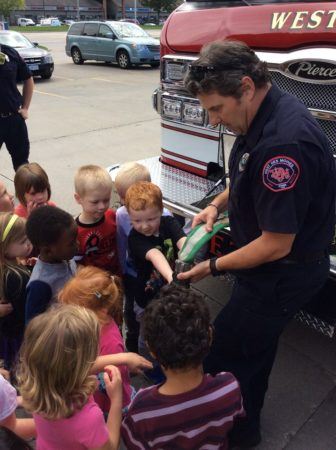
[13,105]
[281,205]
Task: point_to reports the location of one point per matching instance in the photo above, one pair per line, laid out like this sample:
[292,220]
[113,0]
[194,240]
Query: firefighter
[281,204]
[13,105]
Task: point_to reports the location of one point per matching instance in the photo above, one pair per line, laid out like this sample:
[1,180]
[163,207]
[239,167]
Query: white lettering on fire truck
[303,19]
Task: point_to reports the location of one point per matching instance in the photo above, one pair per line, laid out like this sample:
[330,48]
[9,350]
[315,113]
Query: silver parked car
[121,42]
[39,60]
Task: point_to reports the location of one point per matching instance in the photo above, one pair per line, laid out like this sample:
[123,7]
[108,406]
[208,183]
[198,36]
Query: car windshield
[126,30]
[15,40]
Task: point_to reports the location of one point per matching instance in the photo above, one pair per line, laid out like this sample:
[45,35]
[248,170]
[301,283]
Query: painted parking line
[63,78]
[111,81]
[51,95]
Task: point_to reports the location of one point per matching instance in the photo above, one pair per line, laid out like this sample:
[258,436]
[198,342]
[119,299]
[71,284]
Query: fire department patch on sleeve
[280,173]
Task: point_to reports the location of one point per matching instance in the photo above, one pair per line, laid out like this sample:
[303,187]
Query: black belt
[305,259]
[4,115]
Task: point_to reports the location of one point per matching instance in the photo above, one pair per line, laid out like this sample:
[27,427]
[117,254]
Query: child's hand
[31,261]
[137,363]
[5,309]
[112,380]
[33,205]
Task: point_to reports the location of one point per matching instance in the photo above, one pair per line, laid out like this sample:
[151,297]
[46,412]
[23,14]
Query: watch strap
[213,269]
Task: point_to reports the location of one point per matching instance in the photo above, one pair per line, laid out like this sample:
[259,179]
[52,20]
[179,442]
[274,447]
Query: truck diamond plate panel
[177,185]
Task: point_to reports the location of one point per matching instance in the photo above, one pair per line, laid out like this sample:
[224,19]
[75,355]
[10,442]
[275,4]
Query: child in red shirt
[97,222]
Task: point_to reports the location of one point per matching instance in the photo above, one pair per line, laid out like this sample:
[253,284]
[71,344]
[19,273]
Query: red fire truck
[298,41]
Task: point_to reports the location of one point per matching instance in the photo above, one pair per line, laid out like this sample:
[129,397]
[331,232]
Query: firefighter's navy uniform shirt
[282,177]
[13,71]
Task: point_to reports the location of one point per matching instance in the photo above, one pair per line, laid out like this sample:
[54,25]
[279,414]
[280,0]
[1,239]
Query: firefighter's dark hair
[177,328]
[221,66]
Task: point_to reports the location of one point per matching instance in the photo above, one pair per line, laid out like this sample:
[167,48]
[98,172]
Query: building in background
[83,9]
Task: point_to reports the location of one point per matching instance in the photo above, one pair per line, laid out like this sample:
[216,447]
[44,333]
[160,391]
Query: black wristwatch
[213,269]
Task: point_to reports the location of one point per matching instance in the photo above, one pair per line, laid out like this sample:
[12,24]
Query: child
[96,223]
[54,232]
[128,174]
[154,240]
[14,277]
[6,199]
[24,428]
[97,290]
[189,410]
[56,386]
[32,188]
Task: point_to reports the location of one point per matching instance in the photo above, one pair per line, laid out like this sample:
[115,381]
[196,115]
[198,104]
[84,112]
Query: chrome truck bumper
[180,189]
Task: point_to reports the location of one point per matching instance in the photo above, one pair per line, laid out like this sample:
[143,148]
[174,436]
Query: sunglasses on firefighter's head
[200,71]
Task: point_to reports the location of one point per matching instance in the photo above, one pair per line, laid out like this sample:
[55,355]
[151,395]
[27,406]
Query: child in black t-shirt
[153,243]
[154,240]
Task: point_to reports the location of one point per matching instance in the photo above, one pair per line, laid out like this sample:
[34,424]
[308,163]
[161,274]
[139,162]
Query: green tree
[6,6]
[160,5]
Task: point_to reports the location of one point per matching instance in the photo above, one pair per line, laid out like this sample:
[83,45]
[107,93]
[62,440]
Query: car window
[15,40]
[126,29]
[76,29]
[90,29]
[105,31]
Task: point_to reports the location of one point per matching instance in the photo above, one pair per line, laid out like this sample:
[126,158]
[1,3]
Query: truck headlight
[171,108]
[174,71]
[193,113]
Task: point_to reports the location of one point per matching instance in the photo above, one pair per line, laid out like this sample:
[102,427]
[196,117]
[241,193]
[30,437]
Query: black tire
[123,59]
[155,65]
[76,56]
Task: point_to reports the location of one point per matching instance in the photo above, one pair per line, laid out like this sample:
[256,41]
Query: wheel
[123,59]
[156,64]
[76,56]
[46,75]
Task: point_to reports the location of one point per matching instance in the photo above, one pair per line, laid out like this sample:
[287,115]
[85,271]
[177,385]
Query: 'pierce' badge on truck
[312,70]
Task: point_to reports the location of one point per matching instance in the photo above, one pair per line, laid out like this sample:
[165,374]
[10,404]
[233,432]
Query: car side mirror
[111,36]
[35,44]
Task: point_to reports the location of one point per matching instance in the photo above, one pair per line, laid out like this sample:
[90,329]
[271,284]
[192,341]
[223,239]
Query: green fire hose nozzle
[196,239]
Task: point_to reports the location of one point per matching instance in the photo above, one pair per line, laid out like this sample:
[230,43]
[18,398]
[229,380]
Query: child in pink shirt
[97,290]
[56,384]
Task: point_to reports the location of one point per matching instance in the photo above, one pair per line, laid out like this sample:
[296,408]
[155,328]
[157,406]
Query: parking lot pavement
[94,113]
[97,113]
[300,406]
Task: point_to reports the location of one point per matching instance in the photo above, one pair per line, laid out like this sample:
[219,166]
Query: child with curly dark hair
[190,409]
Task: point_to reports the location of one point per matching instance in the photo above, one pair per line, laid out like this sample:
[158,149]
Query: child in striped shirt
[190,409]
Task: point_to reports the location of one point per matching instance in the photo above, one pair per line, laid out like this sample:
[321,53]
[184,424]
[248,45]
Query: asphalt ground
[97,113]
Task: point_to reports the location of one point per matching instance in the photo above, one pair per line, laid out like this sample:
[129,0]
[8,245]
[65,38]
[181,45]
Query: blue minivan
[121,42]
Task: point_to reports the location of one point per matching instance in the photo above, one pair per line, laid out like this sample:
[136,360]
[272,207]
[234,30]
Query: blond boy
[97,222]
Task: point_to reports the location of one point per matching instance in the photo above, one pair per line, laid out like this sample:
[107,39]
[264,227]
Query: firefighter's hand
[209,215]
[197,273]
